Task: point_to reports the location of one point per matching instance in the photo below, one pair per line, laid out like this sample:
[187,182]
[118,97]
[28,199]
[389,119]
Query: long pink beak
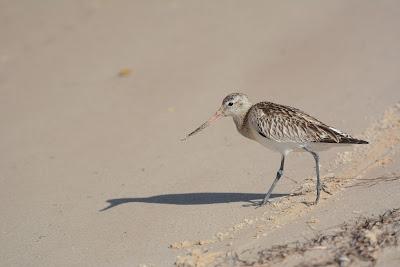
[213,118]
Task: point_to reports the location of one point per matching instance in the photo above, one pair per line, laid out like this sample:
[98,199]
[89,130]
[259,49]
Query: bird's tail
[347,140]
[339,137]
[344,138]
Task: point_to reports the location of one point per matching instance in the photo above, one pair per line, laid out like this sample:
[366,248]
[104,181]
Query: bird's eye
[230,104]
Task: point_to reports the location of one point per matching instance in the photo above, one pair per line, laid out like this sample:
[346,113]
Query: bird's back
[279,123]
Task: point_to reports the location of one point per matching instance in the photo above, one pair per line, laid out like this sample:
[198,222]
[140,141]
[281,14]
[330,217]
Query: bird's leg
[278,176]
[316,157]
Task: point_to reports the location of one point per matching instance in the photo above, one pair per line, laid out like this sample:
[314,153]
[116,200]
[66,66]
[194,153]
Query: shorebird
[281,128]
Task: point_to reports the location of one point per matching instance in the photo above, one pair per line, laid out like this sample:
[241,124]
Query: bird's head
[234,105]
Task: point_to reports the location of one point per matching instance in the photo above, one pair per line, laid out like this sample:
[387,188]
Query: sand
[96,95]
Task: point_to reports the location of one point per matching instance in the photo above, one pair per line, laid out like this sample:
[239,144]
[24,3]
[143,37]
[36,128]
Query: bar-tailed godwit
[281,128]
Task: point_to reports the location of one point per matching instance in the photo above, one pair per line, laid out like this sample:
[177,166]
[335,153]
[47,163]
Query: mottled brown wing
[286,124]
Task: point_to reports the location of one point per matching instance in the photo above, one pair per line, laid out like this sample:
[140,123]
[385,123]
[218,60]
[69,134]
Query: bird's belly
[287,147]
[281,147]
[325,146]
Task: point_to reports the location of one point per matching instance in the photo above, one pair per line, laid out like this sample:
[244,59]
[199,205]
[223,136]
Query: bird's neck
[240,119]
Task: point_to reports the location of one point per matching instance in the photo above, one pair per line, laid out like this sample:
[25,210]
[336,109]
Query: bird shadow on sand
[191,199]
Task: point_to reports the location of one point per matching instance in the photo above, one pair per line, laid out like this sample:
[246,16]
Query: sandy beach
[95,97]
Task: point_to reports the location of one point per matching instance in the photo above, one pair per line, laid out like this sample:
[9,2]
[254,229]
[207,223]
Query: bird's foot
[257,204]
[325,189]
[260,204]
[311,203]
[264,202]
[308,204]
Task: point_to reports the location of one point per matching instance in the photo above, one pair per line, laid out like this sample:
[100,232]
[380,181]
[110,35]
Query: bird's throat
[239,119]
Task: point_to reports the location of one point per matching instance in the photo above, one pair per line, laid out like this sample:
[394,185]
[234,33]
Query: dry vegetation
[361,241]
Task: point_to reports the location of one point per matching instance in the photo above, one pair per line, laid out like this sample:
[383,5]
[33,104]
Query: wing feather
[286,124]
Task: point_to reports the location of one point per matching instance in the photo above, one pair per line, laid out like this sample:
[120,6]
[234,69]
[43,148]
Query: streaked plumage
[291,127]
[280,128]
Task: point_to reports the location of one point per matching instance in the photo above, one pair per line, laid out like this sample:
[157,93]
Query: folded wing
[286,124]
